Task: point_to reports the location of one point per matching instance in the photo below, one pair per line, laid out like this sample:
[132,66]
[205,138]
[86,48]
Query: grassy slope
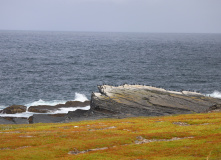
[200,133]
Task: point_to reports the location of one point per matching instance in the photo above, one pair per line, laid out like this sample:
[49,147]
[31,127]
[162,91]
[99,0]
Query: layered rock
[138,100]
[14,109]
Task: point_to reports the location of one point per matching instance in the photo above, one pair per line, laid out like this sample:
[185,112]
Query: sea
[48,67]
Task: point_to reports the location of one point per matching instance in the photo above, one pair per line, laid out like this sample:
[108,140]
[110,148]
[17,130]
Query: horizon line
[88,31]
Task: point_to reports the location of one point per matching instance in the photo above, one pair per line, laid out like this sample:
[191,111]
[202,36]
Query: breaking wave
[78,97]
[215,94]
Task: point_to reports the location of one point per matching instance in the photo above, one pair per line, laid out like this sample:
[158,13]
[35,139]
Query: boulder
[138,100]
[42,108]
[14,109]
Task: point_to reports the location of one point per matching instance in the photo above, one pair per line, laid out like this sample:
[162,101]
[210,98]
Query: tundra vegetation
[187,136]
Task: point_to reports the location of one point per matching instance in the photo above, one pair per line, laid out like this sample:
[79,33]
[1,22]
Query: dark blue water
[56,65]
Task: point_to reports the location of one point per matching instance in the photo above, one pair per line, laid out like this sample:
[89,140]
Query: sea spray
[66,110]
[215,94]
[80,97]
[42,102]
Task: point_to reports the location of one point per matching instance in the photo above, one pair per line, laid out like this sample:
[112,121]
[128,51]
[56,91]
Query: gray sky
[198,16]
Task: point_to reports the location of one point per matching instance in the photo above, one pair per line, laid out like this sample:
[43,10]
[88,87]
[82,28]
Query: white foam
[42,102]
[66,110]
[215,94]
[24,114]
[59,111]
[80,97]
[2,107]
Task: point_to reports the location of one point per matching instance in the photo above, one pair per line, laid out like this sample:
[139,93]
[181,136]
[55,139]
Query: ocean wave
[2,107]
[24,114]
[215,94]
[78,97]
[42,102]
[59,111]
[66,110]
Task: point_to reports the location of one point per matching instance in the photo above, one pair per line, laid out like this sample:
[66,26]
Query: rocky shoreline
[119,102]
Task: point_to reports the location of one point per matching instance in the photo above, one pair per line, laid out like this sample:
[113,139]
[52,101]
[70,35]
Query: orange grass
[200,139]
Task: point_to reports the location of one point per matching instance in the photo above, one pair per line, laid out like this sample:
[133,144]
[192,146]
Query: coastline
[115,102]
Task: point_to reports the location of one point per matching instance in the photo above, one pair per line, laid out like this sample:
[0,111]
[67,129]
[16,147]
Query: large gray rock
[13,120]
[47,118]
[138,100]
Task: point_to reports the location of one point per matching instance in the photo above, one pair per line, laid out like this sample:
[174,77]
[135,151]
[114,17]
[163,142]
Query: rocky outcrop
[138,100]
[46,117]
[47,108]
[14,109]
[120,102]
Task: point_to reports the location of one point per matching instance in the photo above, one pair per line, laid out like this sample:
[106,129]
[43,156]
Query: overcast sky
[192,16]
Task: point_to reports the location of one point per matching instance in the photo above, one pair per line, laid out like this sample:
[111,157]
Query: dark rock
[42,108]
[48,118]
[81,115]
[78,113]
[137,100]
[14,109]
[46,108]
[13,120]
[30,119]
[74,104]
[6,120]
[21,120]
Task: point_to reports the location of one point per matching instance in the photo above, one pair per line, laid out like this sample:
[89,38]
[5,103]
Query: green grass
[200,138]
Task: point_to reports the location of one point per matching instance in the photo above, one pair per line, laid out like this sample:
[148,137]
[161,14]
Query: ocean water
[54,67]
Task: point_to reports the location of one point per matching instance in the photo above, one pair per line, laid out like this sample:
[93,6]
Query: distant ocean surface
[54,67]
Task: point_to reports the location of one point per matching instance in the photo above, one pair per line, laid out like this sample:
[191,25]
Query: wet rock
[74,104]
[14,109]
[138,100]
[47,108]
[42,108]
